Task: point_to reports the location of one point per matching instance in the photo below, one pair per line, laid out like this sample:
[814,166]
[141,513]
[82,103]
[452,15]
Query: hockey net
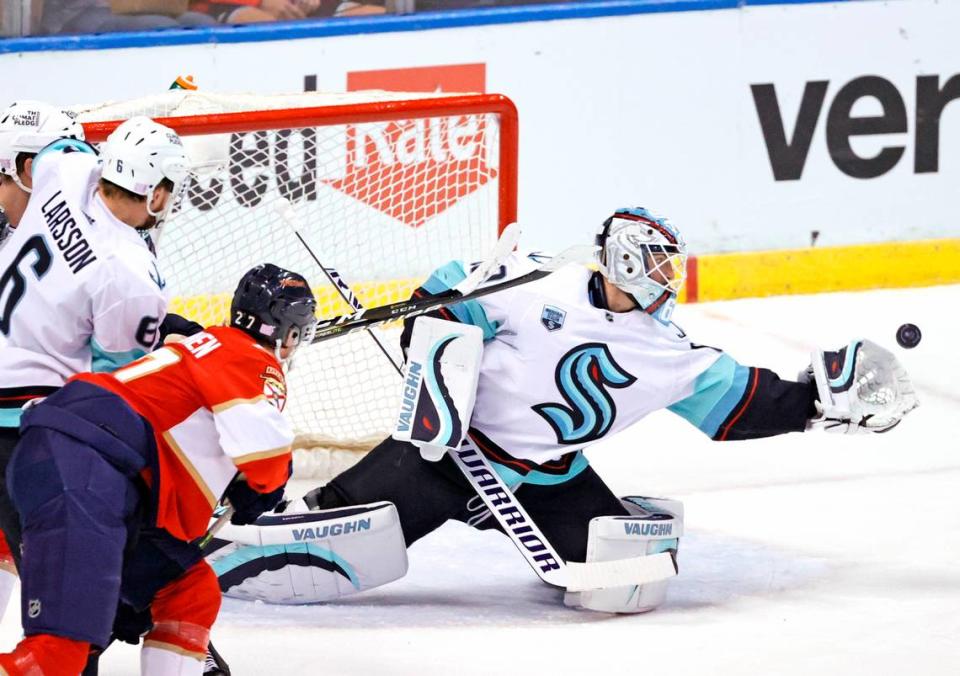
[387,187]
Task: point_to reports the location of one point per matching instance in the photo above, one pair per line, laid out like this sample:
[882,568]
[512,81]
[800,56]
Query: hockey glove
[247,503]
[177,327]
[861,388]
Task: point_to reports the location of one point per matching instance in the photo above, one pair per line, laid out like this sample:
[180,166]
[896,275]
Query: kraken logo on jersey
[581,377]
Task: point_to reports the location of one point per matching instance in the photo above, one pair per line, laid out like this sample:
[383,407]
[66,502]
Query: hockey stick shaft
[469,289]
[536,548]
[222,515]
[286,211]
[521,529]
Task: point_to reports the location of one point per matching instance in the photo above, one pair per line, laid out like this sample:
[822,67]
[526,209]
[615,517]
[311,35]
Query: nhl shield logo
[33,608]
[552,317]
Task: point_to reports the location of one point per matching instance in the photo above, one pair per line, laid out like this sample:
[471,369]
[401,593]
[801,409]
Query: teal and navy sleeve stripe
[716,393]
[732,402]
[467,312]
[105,362]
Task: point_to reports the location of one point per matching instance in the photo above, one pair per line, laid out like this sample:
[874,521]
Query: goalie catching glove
[861,388]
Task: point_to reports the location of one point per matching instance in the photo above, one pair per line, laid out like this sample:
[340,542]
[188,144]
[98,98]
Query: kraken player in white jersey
[26,127]
[80,289]
[569,360]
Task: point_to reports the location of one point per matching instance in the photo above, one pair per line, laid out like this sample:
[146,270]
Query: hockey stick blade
[338,326]
[288,214]
[638,570]
[505,245]
[286,211]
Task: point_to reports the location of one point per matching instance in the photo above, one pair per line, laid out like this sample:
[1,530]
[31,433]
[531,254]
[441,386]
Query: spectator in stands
[95,16]
[349,8]
[433,5]
[249,11]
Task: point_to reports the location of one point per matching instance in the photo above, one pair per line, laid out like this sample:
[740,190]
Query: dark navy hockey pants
[74,481]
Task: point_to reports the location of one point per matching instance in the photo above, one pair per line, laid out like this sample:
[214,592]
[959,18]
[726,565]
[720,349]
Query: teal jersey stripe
[105,362]
[10,417]
[513,478]
[716,392]
[468,312]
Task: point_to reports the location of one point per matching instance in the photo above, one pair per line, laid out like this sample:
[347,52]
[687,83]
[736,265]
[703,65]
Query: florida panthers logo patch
[274,388]
[582,377]
[552,317]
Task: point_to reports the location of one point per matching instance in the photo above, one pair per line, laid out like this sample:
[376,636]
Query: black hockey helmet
[275,306]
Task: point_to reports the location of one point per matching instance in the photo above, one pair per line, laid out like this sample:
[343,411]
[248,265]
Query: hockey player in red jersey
[154,445]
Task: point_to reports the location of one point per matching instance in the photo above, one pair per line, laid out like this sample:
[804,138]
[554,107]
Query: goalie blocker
[440,385]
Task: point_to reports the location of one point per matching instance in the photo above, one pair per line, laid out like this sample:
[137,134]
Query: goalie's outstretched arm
[860,388]
[729,402]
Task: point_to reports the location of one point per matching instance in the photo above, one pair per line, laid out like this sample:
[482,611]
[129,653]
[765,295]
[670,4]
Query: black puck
[908,336]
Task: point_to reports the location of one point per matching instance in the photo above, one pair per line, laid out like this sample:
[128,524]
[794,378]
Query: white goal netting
[386,187]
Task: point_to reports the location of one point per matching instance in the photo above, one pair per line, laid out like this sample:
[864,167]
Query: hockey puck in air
[908,336]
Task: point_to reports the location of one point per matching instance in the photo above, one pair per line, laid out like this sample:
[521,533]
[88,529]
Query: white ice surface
[806,554]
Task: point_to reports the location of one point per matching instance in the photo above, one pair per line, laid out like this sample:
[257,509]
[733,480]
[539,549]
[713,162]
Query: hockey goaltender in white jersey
[566,361]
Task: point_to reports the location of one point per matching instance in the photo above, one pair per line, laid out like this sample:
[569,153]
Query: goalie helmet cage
[387,186]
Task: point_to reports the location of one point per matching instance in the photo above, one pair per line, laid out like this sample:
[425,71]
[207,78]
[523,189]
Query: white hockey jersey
[79,289]
[558,373]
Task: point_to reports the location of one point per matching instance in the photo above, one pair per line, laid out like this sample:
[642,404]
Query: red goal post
[388,186]
[358,113]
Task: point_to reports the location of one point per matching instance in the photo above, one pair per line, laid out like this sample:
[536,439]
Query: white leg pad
[156,661]
[654,526]
[312,556]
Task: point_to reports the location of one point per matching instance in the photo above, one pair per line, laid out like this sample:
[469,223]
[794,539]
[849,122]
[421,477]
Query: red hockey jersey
[214,401]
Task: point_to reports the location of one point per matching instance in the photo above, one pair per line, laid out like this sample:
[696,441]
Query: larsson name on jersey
[73,246]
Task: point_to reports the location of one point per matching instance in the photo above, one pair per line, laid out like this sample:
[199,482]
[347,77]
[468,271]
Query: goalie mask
[139,155]
[276,307]
[645,257]
[28,127]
